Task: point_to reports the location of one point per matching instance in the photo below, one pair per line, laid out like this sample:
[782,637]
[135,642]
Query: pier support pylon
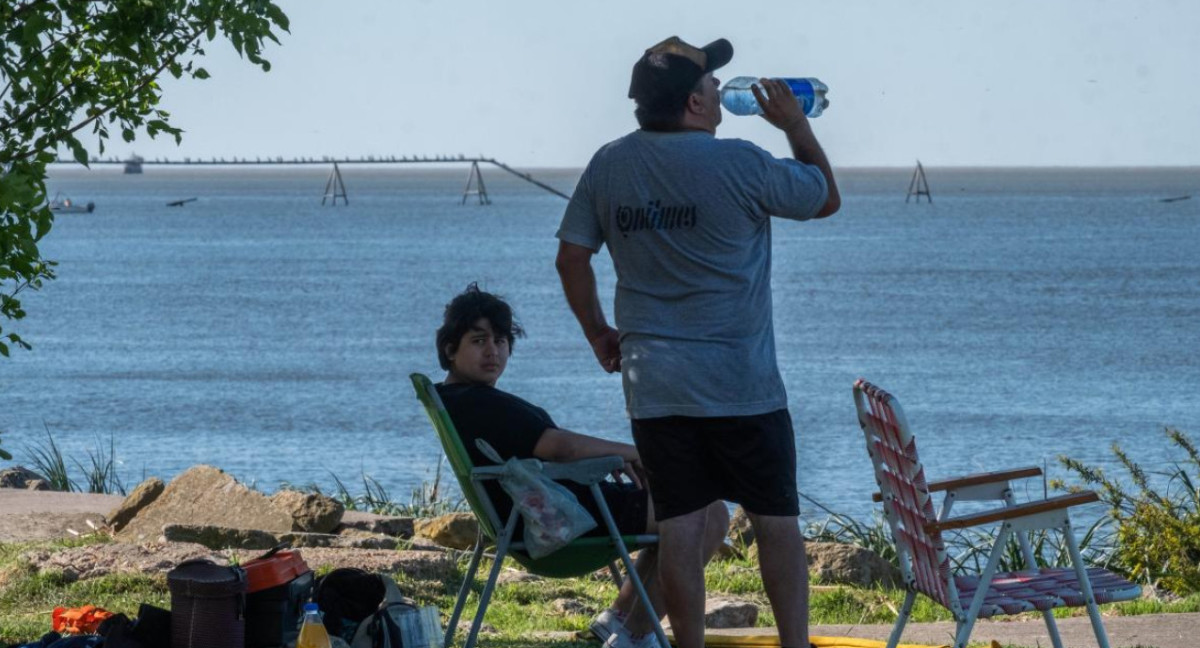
[475,177]
[334,187]
[918,186]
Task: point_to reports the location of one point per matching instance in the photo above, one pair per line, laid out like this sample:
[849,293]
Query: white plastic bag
[553,516]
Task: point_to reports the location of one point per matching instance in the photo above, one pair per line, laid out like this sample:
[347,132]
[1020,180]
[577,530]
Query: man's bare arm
[783,110]
[574,264]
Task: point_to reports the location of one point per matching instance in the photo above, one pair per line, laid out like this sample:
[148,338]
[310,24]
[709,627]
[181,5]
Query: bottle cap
[311,607]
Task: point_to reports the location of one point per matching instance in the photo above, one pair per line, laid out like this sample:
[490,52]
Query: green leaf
[80,153]
[68,67]
[278,17]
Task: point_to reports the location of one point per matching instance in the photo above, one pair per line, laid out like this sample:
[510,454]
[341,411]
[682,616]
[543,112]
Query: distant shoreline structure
[448,161]
[134,164]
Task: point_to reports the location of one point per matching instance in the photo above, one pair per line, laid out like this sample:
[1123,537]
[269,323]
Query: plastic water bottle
[738,99]
[312,629]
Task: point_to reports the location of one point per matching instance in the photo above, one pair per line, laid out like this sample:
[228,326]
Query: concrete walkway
[1147,631]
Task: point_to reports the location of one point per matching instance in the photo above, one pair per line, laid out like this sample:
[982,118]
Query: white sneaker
[622,639]
[606,624]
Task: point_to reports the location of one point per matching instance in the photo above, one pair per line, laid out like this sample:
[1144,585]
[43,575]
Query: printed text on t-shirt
[655,217]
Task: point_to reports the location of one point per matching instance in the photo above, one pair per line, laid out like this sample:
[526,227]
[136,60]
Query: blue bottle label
[803,91]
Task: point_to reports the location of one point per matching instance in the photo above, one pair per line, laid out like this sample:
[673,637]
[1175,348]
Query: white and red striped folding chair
[917,533]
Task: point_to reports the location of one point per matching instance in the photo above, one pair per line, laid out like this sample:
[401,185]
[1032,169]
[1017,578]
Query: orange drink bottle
[312,630]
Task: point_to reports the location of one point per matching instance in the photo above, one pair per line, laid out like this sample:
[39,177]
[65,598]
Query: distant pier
[474,186]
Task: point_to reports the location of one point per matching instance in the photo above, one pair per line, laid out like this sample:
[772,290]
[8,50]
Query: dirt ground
[41,515]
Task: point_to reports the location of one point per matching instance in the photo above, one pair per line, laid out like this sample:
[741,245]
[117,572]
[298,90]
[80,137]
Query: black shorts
[691,462]
[627,503]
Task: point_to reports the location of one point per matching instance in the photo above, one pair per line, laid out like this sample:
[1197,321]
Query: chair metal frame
[916,531]
[589,472]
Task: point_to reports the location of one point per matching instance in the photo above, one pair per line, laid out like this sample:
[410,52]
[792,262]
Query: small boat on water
[66,205]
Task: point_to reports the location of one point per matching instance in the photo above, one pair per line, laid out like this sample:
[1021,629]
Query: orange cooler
[279,584]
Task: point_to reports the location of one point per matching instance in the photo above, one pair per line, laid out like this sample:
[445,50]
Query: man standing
[686,218]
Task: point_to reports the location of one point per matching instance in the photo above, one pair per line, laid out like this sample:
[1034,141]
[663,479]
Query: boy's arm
[564,445]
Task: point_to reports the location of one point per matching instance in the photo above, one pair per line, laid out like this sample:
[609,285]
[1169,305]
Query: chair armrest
[975,480]
[984,478]
[484,473]
[1013,512]
[585,471]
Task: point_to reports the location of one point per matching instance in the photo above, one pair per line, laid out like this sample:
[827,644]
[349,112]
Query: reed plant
[100,473]
[970,549]
[427,499]
[873,535]
[48,461]
[1156,513]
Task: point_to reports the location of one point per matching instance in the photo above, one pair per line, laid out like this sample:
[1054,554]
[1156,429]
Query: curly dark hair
[467,308]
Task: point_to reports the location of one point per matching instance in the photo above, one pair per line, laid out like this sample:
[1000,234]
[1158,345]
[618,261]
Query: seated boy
[473,345]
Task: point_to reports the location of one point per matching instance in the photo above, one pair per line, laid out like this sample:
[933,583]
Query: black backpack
[364,608]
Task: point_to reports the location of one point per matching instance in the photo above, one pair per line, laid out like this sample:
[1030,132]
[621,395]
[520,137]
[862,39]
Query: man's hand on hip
[607,347]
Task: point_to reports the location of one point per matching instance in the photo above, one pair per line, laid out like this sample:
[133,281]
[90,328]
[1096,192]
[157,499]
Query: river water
[1026,314]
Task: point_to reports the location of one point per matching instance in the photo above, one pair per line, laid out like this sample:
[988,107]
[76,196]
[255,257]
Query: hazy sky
[543,83]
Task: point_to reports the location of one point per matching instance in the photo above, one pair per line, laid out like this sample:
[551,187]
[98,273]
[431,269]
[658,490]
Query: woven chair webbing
[907,498]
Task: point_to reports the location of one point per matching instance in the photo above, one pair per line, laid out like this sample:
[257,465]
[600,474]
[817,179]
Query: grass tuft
[48,461]
[425,500]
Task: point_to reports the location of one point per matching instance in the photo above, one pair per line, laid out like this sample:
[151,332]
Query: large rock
[399,527]
[729,612]
[141,497]
[22,477]
[568,606]
[205,495]
[834,562]
[364,540]
[311,513]
[216,537]
[517,576]
[741,534]
[454,530]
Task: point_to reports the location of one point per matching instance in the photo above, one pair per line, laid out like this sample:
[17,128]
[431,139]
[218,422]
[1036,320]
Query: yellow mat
[768,639]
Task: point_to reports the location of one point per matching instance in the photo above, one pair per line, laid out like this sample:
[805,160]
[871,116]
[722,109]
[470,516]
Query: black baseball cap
[672,68]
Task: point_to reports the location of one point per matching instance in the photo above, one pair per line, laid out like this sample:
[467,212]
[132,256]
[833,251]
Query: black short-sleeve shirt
[513,426]
[510,424]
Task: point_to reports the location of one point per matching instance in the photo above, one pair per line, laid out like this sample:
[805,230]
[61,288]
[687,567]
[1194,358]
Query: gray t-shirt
[686,219]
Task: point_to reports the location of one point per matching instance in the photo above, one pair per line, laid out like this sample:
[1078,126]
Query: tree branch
[25,62]
[27,6]
[67,86]
[147,80]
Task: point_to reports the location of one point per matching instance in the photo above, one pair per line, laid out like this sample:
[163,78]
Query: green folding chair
[580,557]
